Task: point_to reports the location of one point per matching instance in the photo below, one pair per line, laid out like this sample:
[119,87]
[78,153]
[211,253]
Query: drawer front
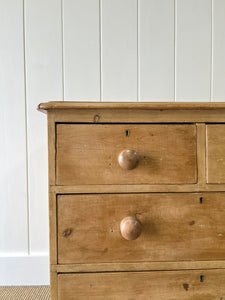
[159,154]
[185,285]
[215,137]
[172,227]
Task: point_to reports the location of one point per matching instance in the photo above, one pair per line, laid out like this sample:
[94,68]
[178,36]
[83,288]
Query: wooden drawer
[88,154]
[174,227]
[176,285]
[215,136]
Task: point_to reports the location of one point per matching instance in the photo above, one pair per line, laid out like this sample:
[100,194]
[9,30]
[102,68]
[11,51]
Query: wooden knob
[130,228]
[128,159]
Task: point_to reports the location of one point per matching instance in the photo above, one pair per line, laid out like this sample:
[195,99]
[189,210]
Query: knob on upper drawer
[128,159]
[130,228]
[103,153]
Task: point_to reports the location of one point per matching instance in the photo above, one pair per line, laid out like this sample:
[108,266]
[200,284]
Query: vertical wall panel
[81,49]
[119,50]
[13,182]
[193,51]
[44,83]
[218,87]
[156,39]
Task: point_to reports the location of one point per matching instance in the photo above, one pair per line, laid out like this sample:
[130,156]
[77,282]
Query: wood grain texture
[138,266]
[53,228]
[81,49]
[89,154]
[175,227]
[138,116]
[215,153]
[177,285]
[181,226]
[156,50]
[54,285]
[201,153]
[53,105]
[51,148]
[13,200]
[119,50]
[141,188]
[73,112]
[218,44]
[193,50]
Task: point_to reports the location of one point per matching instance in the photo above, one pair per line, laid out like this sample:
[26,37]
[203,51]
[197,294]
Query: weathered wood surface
[175,227]
[185,285]
[88,154]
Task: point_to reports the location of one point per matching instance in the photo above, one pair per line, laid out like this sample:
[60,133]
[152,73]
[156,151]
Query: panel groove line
[193,55]
[81,50]
[62,39]
[175,49]
[218,33]
[100,48]
[138,50]
[26,131]
[156,68]
[212,38]
[13,181]
[44,81]
[119,50]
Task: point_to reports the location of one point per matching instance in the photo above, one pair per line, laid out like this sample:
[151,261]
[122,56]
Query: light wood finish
[129,115]
[89,154]
[185,285]
[142,188]
[180,209]
[54,285]
[51,149]
[53,227]
[201,164]
[175,227]
[138,266]
[215,153]
[60,105]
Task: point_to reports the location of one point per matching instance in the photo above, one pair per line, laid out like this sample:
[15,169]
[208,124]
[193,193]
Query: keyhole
[127,132]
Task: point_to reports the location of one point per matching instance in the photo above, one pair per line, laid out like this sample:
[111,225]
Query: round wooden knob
[128,159]
[130,228]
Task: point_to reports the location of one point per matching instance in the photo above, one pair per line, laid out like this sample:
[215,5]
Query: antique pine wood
[175,285]
[88,154]
[215,153]
[141,266]
[130,105]
[175,227]
[180,210]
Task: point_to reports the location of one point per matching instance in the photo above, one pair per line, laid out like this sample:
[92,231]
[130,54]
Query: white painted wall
[88,50]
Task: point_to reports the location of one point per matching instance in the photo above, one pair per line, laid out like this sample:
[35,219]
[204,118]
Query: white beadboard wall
[88,50]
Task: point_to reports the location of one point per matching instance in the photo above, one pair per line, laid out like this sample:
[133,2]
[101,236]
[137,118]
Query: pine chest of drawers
[136,200]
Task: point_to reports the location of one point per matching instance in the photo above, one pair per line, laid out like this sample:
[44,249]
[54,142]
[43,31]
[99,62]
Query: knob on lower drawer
[130,228]
[128,159]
